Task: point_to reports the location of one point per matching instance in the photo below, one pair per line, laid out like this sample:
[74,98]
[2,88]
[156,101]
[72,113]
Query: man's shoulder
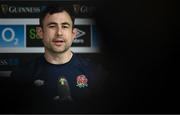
[90,65]
[85,61]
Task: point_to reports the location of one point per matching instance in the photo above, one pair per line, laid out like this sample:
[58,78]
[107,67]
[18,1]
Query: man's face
[57,32]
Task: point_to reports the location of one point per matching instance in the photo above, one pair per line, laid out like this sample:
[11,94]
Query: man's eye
[51,26]
[65,27]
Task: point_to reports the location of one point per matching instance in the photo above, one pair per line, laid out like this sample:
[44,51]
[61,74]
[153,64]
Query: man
[58,81]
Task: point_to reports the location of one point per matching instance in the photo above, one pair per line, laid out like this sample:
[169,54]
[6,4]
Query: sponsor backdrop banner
[31,9]
[19,21]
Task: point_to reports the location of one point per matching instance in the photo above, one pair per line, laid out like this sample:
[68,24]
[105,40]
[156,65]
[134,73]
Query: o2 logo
[12,36]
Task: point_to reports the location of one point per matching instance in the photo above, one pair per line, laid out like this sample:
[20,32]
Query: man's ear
[39,32]
[74,33]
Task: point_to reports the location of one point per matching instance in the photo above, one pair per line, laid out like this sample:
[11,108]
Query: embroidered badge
[62,81]
[81,81]
[38,82]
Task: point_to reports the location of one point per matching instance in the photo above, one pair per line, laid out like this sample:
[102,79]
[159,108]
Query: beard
[57,49]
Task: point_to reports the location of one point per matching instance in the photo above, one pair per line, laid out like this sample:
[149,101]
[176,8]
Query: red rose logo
[81,81]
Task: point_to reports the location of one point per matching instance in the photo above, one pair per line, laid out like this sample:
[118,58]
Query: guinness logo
[76,8]
[4,8]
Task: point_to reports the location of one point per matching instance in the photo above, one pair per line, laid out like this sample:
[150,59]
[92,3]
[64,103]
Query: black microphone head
[64,93]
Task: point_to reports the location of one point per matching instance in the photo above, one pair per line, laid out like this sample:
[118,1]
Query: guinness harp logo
[76,8]
[4,8]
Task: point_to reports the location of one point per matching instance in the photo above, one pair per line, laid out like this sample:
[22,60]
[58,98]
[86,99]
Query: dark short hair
[51,9]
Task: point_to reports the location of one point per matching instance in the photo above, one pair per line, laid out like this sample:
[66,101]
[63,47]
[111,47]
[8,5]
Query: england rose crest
[81,81]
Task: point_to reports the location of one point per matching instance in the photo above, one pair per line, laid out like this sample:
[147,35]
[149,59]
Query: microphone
[64,94]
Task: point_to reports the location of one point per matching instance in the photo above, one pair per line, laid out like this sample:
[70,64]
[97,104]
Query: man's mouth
[58,42]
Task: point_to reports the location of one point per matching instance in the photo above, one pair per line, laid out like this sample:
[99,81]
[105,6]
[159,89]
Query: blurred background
[141,44]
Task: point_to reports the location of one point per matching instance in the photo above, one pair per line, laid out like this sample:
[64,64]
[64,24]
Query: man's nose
[59,31]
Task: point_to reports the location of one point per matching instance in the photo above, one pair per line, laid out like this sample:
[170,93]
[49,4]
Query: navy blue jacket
[42,87]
